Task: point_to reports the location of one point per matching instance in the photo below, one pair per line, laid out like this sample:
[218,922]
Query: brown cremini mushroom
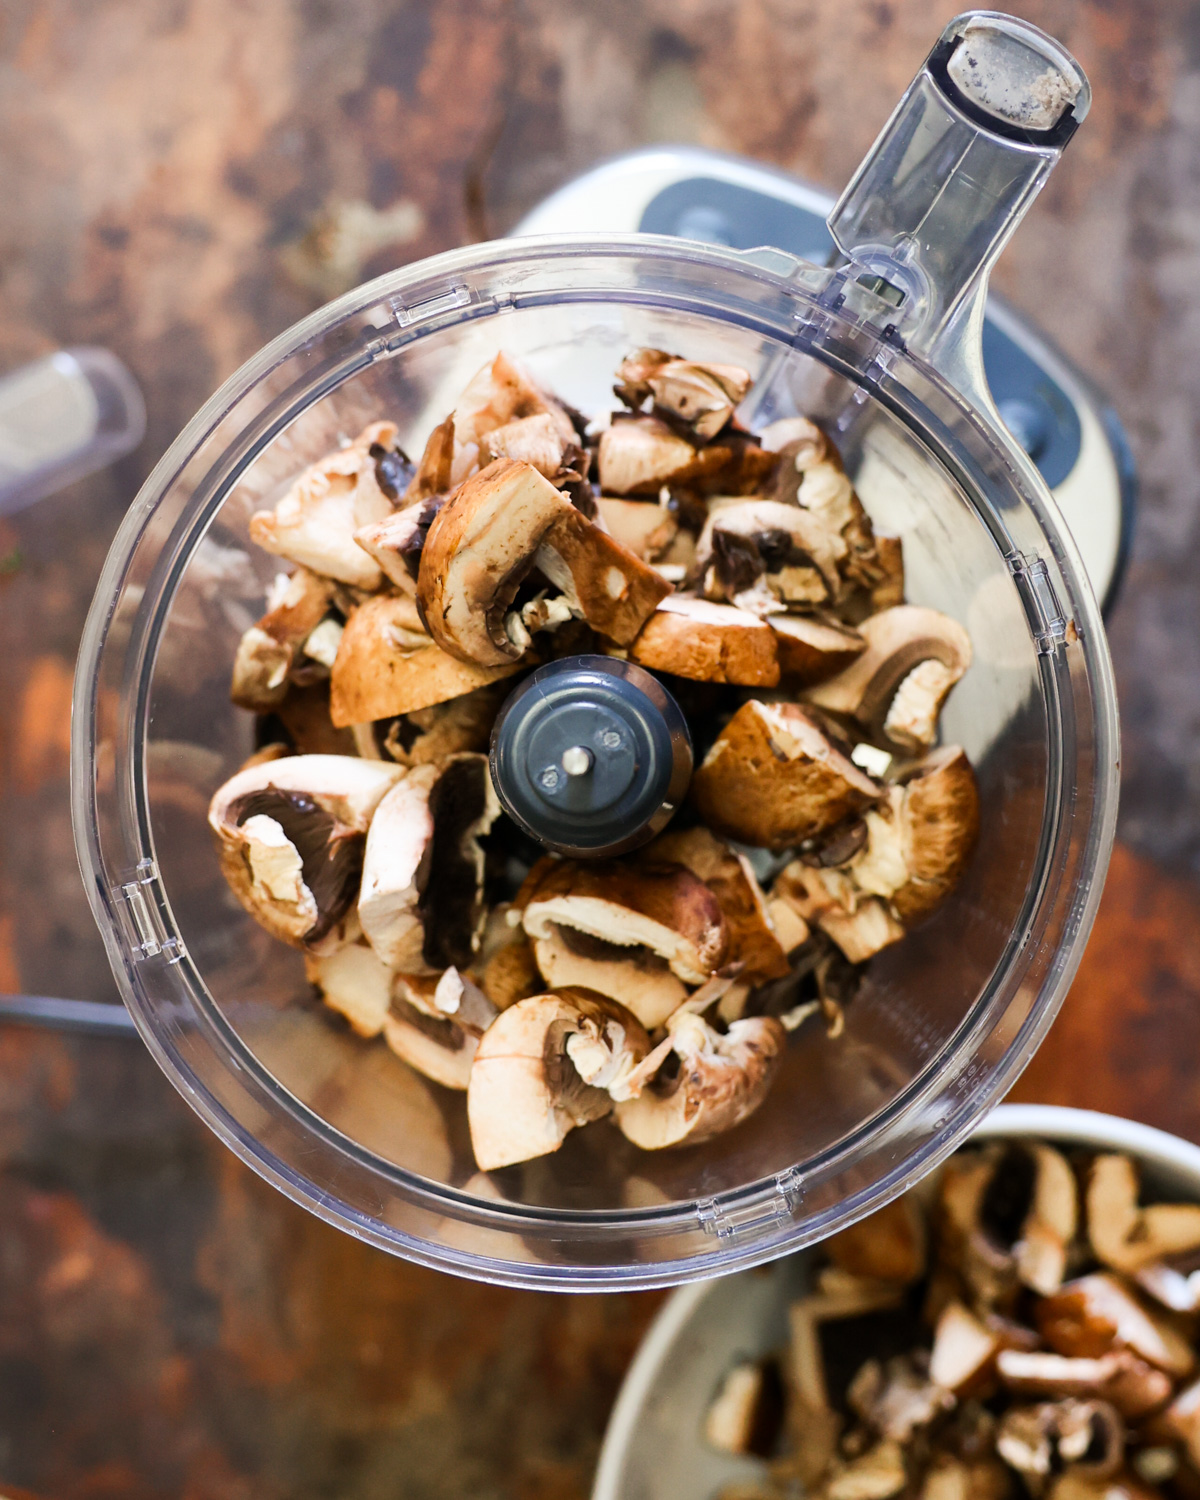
[267,651]
[1098,1313]
[914,656]
[387,665]
[888,1245]
[291,834]
[753,941]
[765,557]
[710,1084]
[421,904]
[427,734]
[542,1068]
[746,1414]
[397,541]
[773,778]
[499,526]
[699,395]
[637,932]
[1132,1386]
[811,649]
[707,642]
[354,982]
[1126,1236]
[435,1027]
[646,527]
[315,521]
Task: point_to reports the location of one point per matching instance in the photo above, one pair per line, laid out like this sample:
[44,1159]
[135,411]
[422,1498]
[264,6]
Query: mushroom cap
[753,941]
[420,904]
[387,665]
[315,521]
[899,641]
[811,650]
[627,904]
[525,1092]
[773,778]
[480,546]
[610,586]
[939,826]
[721,1080]
[707,642]
[296,868]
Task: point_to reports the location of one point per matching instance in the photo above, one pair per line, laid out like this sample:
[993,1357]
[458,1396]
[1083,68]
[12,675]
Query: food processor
[884,349]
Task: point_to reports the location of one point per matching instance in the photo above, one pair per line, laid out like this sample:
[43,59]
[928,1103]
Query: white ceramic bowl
[654,1447]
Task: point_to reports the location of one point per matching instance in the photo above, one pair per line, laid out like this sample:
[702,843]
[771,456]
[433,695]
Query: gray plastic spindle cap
[591,756]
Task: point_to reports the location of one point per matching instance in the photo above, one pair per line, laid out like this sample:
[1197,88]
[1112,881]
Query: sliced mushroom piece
[500,394]
[811,649]
[766,557]
[542,1068]
[639,456]
[533,440]
[1132,1386]
[806,1315]
[496,528]
[421,905]
[914,656]
[717,1082]
[963,1351]
[875,1475]
[799,439]
[896,1399]
[637,932]
[1094,1314]
[315,521]
[603,582]
[387,665]
[1173,1287]
[773,778]
[1182,1420]
[355,983]
[938,826]
[511,973]
[746,1415]
[753,941]
[1126,1236]
[397,541]
[701,396]
[434,473]
[267,650]
[706,642]
[888,1245]
[435,1027]
[431,733]
[291,835]
[646,527]
[1071,1484]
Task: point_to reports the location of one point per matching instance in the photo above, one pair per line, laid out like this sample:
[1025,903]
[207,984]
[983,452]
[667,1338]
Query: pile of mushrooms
[1021,1326]
[659,989]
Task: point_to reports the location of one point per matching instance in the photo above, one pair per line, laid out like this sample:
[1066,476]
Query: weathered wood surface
[180,180]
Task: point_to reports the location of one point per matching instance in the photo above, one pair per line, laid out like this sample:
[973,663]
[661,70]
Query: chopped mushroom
[1125,1236]
[700,395]
[354,982]
[267,650]
[291,834]
[765,557]
[499,395]
[773,778]
[712,1083]
[635,931]
[542,1068]
[315,522]
[397,541]
[889,1245]
[436,1027]
[706,642]
[860,925]
[427,734]
[753,942]
[963,1351]
[938,825]
[914,657]
[811,649]
[646,527]
[746,1414]
[388,665]
[1133,1387]
[1097,1313]
[491,534]
[421,904]
[532,440]
[896,1400]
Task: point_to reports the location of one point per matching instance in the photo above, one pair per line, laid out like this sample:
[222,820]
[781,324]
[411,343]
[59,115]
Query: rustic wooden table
[181,180]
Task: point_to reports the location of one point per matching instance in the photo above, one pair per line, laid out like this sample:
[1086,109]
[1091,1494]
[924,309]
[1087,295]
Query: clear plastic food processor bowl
[944,1020]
